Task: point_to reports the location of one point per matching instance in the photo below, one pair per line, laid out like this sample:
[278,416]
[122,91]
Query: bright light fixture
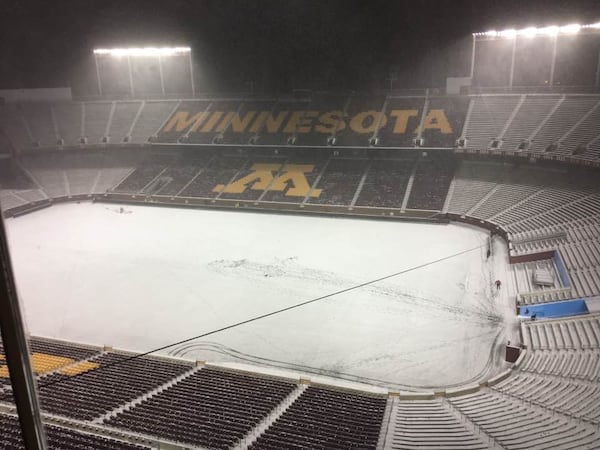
[530,32]
[570,29]
[549,31]
[143,51]
[511,33]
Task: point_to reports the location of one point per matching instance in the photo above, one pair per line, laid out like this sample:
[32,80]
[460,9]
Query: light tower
[144,69]
[537,56]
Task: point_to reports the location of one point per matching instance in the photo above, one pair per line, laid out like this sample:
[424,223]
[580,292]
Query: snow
[144,277]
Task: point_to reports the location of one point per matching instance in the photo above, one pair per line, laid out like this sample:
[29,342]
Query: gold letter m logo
[292,178]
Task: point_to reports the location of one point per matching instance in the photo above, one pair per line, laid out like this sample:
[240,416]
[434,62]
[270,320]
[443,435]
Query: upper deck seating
[214,120]
[564,125]
[322,118]
[151,118]
[487,118]
[122,120]
[354,106]
[576,140]
[96,116]
[444,121]
[68,116]
[567,115]
[246,122]
[14,126]
[39,119]
[530,114]
[401,124]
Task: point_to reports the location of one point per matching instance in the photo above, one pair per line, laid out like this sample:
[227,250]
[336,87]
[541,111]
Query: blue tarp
[555,309]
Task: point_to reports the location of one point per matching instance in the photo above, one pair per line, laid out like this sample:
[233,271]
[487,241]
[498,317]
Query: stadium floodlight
[530,32]
[549,31]
[151,52]
[570,29]
[510,33]
[553,31]
[143,51]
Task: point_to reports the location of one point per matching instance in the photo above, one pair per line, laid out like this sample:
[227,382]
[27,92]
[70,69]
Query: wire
[272,313]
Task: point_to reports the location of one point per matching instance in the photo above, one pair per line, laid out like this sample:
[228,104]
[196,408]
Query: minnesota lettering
[400,121]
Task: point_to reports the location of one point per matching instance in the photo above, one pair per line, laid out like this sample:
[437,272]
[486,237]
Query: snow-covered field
[144,277]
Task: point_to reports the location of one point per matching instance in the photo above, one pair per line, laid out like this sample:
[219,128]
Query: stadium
[312,269]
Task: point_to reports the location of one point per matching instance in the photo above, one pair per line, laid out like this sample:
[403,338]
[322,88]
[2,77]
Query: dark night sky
[277,44]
